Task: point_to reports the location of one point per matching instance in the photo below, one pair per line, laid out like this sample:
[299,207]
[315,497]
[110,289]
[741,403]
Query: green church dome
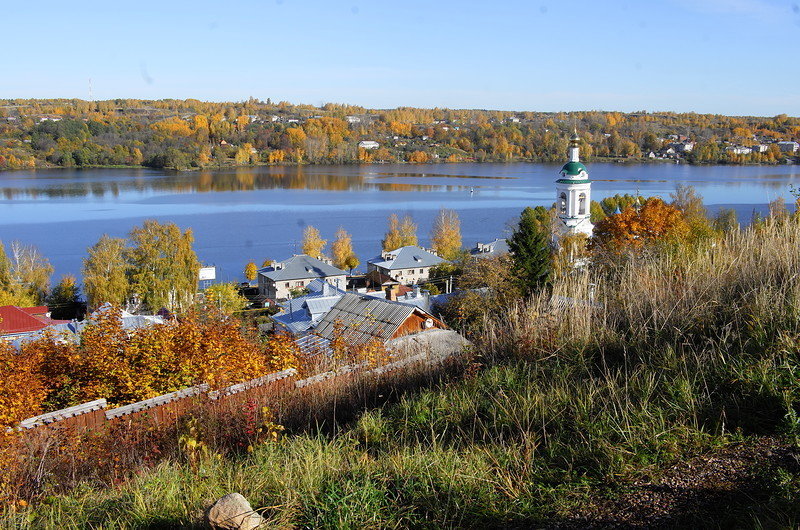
[573,168]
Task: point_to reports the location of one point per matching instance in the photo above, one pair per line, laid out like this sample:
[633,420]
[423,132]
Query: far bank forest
[188,134]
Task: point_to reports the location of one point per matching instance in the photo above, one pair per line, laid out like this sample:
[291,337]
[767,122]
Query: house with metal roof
[279,279]
[302,314]
[17,322]
[498,247]
[360,319]
[408,265]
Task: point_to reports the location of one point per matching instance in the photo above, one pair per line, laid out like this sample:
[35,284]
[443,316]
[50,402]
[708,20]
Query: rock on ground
[233,512]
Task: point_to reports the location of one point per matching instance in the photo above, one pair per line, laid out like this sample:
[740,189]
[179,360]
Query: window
[420,271]
[411,271]
[287,285]
[562,203]
[582,204]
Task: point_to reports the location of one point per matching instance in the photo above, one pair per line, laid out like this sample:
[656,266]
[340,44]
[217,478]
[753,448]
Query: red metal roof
[14,319]
[39,310]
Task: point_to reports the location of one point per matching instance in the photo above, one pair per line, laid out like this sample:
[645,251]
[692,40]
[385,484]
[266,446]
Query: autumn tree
[393,239]
[313,244]
[446,234]
[22,388]
[725,221]
[251,271]
[163,266]
[28,274]
[486,285]
[690,203]
[105,272]
[400,233]
[342,249]
[634,227]
[408,232]
[225,297]
[530,249]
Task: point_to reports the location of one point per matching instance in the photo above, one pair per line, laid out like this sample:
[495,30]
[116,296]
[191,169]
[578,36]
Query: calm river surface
[247,214]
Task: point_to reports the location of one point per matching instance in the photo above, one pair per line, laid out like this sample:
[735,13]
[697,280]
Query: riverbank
[636,410]
[227,166]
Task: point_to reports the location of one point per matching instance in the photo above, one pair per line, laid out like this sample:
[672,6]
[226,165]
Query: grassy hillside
[685,352]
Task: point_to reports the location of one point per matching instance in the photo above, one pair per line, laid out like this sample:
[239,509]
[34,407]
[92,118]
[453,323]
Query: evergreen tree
[64,300]
[531,252]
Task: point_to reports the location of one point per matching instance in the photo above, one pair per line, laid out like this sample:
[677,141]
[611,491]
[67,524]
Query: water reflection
[104,184]
[115,183]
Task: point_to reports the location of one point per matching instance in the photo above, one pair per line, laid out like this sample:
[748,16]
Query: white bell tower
[573,194]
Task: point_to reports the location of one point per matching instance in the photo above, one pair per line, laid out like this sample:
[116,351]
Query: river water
[245,214]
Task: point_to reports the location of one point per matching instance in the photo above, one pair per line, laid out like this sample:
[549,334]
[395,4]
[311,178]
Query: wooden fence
[269,389]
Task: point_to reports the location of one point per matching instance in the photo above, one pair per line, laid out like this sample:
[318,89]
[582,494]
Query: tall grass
[675,353]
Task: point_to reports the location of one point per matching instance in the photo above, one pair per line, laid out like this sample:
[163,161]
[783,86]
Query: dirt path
[719,489]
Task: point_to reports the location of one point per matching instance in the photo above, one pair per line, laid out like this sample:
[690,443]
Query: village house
[279,279]
[69,329]
[407,265]
[358,319]
[789,147]
[302,314]
[739,150]
[498,247]
[18,322]
[368,144]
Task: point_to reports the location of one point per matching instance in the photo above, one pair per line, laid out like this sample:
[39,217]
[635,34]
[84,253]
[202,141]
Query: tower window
[562,203]
[582,204]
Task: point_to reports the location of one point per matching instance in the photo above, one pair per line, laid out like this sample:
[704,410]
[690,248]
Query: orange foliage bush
[124,366]
[655,220]
[22,389]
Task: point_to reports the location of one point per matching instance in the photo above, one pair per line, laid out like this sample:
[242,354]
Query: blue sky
[738,57]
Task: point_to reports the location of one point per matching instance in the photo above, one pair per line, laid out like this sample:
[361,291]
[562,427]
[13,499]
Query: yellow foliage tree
[418,157]
[446,234]
[313,244]
[342,249]
[251,271]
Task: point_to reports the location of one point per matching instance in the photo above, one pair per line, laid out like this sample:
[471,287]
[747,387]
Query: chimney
[416,291]
[391,293]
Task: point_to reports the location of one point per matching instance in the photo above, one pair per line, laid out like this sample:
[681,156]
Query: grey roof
[320,305]
[407,258]
[364,318]
[302,313]
[299,267]
[313,345]
[497,247]
[298,321]
[317,288]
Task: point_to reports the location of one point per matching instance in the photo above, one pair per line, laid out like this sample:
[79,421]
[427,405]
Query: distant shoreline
[601,160]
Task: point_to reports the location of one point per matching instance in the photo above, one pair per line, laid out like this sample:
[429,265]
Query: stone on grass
[233,512]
